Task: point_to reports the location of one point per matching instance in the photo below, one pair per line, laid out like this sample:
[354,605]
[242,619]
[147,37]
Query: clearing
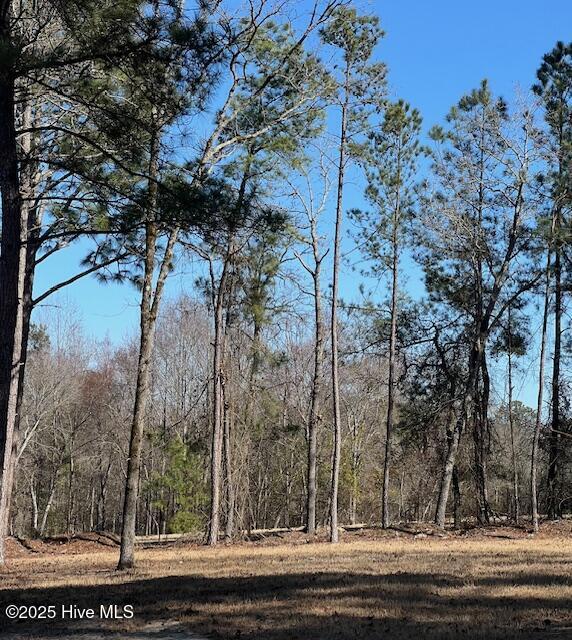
[497,583]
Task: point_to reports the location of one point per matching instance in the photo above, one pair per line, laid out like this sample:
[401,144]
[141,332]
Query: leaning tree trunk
[150,302]
[142,390]
[454,441]
[447,474]
[48,507]
[34,501]
[538,422]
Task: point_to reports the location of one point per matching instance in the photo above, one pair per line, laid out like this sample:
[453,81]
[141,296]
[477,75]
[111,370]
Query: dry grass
[362,588]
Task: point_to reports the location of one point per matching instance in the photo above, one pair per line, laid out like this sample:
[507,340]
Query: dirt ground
[401,584]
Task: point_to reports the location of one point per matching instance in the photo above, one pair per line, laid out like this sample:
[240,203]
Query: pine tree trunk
[355,464]
[481,432]
[26,319]
[142,389]
[314,404]
[149,308]
[70,501]
[385,519]
[453,443]
[554,441]
[515,497]
[480,418]
[538,422]
[220,295]
[337,451]
[12,281]
[217,409]
[447,475]
[230,488]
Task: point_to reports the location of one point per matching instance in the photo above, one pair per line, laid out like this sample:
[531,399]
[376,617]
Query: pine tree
[555,89]
[162,94]
[360,87]
[479,220]
[42,48]
[390,160]
[272,109]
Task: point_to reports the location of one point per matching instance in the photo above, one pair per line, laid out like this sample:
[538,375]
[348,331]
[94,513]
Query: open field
[368,586]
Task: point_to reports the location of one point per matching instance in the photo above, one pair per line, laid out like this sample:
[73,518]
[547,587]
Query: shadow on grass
[322,606]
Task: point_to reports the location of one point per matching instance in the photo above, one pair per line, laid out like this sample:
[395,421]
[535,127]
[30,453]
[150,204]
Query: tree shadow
[328,606]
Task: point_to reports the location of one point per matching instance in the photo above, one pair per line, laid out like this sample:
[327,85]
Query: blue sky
[436,51]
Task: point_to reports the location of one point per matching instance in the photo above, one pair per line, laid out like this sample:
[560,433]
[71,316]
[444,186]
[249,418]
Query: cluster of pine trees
[154,135]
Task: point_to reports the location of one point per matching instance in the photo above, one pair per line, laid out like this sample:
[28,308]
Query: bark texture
[12,280]
[150,302]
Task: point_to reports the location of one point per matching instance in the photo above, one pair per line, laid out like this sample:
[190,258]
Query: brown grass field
[491,584]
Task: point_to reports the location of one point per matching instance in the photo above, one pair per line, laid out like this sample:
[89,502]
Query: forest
[375,330]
